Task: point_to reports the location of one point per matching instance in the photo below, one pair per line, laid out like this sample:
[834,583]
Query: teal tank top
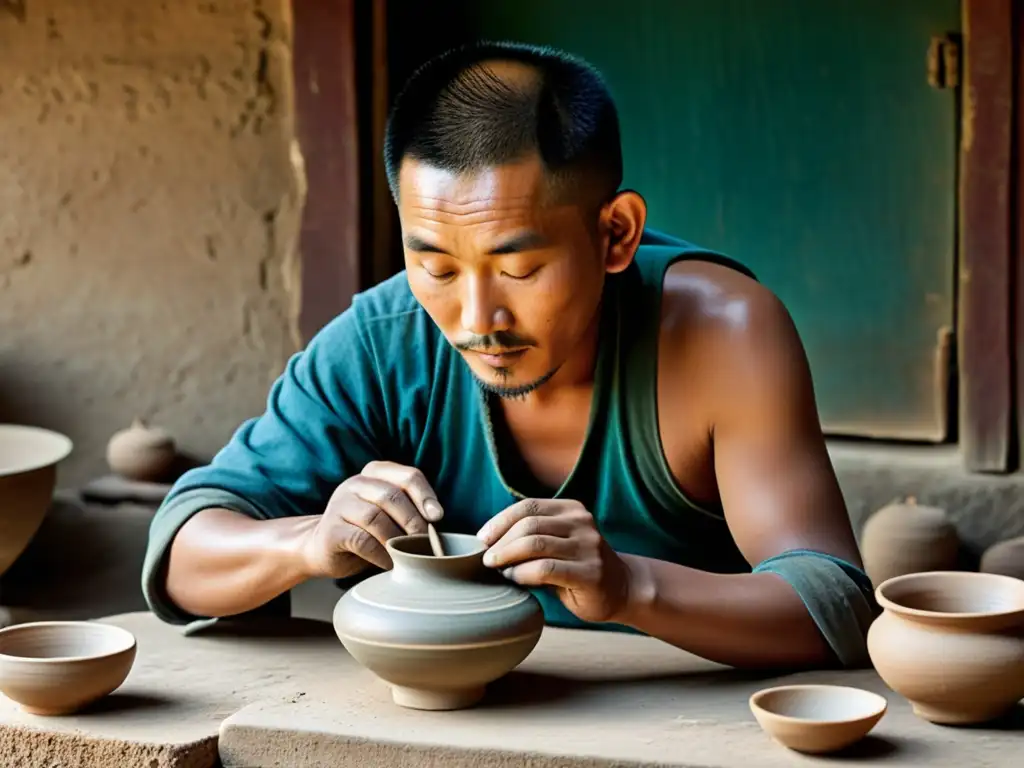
[381,382]
[621,475]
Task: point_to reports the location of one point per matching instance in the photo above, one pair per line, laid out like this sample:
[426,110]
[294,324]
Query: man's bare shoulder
[726,333]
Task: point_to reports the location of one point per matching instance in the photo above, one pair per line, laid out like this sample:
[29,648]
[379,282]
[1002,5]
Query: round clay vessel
[438,629]
[952,643]
[142,453]
[28,473]
[1005,558]
[905,537]
[817,718]
[59,667]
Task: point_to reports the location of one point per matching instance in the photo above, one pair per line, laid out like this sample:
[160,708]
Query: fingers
[368,510]
[566,574]
[410,480]
[392,500]
[533,538]
[364,545]
[372,518]
[502,523]
[360,529]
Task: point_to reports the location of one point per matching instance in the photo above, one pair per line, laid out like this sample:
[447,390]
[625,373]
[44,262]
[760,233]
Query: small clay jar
[952,643]
[906,537]
[1005,558]
[142,453]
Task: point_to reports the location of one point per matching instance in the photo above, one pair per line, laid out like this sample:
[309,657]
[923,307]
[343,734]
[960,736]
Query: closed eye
[528,275]
[442,277]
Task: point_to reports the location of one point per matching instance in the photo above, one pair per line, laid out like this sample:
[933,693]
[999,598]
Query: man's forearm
[224,563]
[741,620]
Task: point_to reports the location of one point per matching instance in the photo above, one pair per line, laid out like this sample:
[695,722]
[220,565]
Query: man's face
[512,280]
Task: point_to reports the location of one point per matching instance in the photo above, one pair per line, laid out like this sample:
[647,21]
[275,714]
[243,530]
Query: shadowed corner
[119,703]
[183,462]
[529,689]
[267,627]
[16,8]
[1012,720]
[881,749]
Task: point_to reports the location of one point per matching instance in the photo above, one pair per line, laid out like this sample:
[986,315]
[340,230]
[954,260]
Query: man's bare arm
[224,563]
[779,493]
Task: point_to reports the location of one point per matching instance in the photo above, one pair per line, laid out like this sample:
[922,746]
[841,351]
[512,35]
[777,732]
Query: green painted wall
[799,136]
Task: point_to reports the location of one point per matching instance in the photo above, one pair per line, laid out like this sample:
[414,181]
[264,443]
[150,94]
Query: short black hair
[458,116]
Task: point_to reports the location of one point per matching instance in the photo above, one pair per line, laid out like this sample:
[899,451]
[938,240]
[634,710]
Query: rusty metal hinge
[944,61]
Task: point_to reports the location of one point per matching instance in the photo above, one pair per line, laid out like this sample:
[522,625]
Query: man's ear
[621,223]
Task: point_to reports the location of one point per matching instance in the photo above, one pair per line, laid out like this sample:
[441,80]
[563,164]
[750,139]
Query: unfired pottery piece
[1006,558]
[59,667]
[906,537]
[142,453]
[28,473]
[817,718]
[952,643]
[438,629]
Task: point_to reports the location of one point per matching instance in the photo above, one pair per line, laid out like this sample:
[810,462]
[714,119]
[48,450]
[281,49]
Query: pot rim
[55,451]
[882,704]
[390,546]
[891,605]
[126,638]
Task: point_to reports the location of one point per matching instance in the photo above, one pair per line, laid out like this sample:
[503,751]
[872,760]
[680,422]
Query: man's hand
[383,501]
[556,543]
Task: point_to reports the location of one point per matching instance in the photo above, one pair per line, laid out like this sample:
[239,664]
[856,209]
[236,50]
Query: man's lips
[500,359]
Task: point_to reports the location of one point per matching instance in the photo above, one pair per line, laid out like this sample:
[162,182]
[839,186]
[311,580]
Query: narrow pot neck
[426,567]
[414,561]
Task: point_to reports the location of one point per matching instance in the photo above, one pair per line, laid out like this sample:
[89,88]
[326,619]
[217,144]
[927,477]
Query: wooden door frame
[326,125]
[1016,280]
[340,87]
[984,275]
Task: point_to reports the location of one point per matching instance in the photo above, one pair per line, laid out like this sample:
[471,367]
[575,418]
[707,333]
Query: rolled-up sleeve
[838,596]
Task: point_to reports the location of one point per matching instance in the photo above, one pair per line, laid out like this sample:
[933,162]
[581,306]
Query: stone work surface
[168,712]
[583,699]
[150,200]
[288,696]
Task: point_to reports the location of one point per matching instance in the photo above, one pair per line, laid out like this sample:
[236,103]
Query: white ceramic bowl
[817,718]
[28,473]
[58,667]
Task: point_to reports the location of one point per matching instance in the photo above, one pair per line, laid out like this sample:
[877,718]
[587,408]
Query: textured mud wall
[149,206]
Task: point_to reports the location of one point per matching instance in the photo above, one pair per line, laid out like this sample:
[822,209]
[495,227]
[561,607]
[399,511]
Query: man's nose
[482,311]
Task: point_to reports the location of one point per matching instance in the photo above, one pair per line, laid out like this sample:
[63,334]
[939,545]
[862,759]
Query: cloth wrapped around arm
[837,594]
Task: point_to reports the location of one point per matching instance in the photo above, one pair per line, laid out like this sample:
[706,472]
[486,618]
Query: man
[626,420]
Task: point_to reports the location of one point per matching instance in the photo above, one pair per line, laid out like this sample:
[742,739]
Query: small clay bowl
[59,667]
[817,718]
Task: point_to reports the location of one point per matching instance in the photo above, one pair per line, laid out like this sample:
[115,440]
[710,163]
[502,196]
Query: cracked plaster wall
[150,194]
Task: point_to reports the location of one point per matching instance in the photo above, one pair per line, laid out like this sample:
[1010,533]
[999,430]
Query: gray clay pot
[438,629]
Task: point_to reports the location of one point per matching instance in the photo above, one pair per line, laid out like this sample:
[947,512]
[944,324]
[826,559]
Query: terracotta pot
[28,473]
[905,537]
[952,643]
[438,629]
[143,453]
[59,667]
[1006,558]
